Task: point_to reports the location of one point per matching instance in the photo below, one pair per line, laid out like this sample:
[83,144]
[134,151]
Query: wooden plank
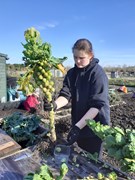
[18,165]
[25,161]
[7,144]
[88,167]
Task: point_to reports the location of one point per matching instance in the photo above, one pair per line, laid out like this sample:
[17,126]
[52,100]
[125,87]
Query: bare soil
[123,115]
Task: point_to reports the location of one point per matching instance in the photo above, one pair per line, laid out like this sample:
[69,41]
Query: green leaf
[45,172]
[37,177]
[112,176]
[119,130]
[120,140]
[118,154]
[109,141]
[29,176]
[63,170]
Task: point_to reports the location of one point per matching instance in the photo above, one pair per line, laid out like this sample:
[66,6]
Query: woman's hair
[83,44]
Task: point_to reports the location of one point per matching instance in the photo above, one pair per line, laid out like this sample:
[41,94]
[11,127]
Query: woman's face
[82,58]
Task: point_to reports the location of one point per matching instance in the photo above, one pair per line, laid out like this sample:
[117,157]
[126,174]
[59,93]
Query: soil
[122,115]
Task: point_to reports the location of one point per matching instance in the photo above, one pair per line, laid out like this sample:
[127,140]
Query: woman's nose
[77,59]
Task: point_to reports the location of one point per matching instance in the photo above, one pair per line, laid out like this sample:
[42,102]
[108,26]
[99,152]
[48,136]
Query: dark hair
[83,44]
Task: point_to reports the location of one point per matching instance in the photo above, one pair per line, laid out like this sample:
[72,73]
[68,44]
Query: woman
[86,86]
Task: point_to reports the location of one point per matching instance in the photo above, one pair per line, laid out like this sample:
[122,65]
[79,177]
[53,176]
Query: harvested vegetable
[45,173]
[39,63]
[119,144]
[58,149]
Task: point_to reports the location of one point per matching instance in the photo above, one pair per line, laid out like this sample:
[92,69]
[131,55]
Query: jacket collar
[88,67]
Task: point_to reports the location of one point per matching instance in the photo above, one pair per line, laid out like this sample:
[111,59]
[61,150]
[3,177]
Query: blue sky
[108,24]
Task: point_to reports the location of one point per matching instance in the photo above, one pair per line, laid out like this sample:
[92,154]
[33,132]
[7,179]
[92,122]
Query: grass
[130,82]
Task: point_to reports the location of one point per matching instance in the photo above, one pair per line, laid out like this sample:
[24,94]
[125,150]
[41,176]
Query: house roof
[4,55]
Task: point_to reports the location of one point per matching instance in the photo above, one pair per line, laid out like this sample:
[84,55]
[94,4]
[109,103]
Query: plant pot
[61,154]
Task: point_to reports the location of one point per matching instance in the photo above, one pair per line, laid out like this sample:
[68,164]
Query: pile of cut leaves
[20,127]
[119,144]
[46,174]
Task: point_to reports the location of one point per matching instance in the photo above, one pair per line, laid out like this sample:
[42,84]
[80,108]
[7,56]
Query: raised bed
[7,144]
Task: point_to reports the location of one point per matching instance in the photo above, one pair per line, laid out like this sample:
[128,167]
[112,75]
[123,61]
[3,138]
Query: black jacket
[87,87]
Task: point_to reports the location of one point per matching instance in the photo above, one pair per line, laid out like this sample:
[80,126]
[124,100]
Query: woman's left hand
[73,135]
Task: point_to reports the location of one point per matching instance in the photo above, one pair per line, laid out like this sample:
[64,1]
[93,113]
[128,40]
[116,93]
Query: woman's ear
[91,56]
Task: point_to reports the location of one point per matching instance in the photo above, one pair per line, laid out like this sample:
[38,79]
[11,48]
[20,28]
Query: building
[56,73]
[3,78]
[114,74]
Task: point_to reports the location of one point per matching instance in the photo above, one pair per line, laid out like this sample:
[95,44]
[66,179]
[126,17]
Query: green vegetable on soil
[119,144]
[20,127]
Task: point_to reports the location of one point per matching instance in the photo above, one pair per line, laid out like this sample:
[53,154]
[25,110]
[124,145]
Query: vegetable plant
[119,144]
[46,174]
[100,176]
[39,62]
[114,97]
[21,127]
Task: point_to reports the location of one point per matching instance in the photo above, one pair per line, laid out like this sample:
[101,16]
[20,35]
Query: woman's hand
[73,135]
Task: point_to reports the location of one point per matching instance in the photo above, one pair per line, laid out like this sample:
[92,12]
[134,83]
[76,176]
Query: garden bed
[122,115]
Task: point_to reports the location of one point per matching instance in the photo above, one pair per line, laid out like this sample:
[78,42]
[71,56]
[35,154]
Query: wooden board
[18,165]
[29,160]
[7,144]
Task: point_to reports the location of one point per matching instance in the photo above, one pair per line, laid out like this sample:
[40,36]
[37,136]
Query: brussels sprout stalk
[39,62]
